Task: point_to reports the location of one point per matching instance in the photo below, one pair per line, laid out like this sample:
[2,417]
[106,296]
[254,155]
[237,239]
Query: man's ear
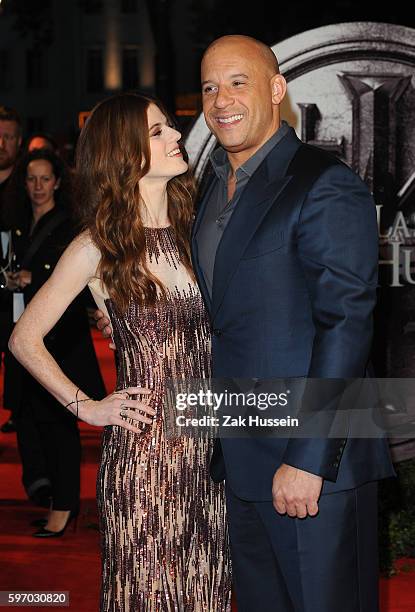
[278,88]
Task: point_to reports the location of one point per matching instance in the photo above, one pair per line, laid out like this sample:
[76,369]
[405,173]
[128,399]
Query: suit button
[217,332]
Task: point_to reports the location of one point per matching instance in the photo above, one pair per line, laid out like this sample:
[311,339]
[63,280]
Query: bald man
[285,251]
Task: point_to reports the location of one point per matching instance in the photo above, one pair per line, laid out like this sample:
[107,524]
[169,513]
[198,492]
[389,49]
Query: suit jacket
[294,287]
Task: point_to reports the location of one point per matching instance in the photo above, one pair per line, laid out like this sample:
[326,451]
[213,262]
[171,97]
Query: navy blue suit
[294,288]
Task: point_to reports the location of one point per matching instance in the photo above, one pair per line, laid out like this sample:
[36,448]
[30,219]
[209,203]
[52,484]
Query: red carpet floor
[72,563]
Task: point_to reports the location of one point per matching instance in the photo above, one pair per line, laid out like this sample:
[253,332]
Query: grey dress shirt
[218,210]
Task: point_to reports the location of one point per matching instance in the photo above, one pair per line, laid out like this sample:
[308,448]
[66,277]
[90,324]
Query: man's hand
[104,326]
[296,492]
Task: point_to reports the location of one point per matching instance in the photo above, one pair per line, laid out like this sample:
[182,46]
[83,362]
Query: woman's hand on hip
[113,409]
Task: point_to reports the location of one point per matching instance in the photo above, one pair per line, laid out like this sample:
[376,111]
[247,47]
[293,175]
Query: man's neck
[238,158]
[4,174]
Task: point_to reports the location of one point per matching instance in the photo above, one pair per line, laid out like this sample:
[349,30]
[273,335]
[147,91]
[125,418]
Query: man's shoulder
[310,159]
[313,167]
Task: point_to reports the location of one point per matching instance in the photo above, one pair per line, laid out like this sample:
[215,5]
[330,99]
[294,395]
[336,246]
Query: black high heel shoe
[46,533]
[42,522]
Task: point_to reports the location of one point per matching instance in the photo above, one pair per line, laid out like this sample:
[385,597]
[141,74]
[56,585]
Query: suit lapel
[259,195]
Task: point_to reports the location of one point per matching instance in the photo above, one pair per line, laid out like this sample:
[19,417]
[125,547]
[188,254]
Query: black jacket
[70,340]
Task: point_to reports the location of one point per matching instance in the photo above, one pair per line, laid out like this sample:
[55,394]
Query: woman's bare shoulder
[83,251]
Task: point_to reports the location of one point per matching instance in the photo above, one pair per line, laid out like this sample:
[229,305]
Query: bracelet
[77,401]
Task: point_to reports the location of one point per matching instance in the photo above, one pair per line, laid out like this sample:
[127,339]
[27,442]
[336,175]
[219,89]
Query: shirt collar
[220,163]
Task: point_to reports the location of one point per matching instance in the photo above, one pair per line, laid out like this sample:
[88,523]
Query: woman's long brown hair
[113,154]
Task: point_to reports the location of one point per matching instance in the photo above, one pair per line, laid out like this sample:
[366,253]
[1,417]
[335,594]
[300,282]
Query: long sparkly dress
[162,518]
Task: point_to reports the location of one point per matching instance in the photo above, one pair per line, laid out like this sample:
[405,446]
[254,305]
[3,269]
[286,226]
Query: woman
[164,535]
[38,210]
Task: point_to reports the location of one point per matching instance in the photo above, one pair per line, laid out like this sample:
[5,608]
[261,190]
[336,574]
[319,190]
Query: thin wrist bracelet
[77,401]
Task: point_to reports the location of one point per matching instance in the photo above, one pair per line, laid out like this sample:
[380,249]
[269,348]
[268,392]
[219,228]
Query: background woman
[164,535]
[38,211]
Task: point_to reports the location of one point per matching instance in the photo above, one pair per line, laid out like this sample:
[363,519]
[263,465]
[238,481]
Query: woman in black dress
[48,435]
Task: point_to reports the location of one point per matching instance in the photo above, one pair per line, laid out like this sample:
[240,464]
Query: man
[285,251]
[10,141]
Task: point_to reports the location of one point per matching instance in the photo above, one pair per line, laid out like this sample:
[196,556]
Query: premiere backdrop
[351,91]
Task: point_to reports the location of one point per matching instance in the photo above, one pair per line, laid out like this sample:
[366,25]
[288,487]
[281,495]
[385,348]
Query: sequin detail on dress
[163,524]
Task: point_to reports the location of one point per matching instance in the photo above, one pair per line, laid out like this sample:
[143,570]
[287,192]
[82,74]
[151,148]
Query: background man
[10,141]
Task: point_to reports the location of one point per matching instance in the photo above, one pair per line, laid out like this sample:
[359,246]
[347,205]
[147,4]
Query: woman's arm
[77,266]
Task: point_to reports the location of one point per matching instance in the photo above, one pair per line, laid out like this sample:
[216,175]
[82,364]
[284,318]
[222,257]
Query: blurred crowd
[36,225]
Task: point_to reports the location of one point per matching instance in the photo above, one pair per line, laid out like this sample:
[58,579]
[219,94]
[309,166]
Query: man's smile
[229,121]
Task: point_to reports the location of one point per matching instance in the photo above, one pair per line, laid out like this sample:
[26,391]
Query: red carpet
[72,563]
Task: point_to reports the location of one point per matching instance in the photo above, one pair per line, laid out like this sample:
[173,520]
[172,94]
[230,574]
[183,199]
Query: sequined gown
[163,524]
